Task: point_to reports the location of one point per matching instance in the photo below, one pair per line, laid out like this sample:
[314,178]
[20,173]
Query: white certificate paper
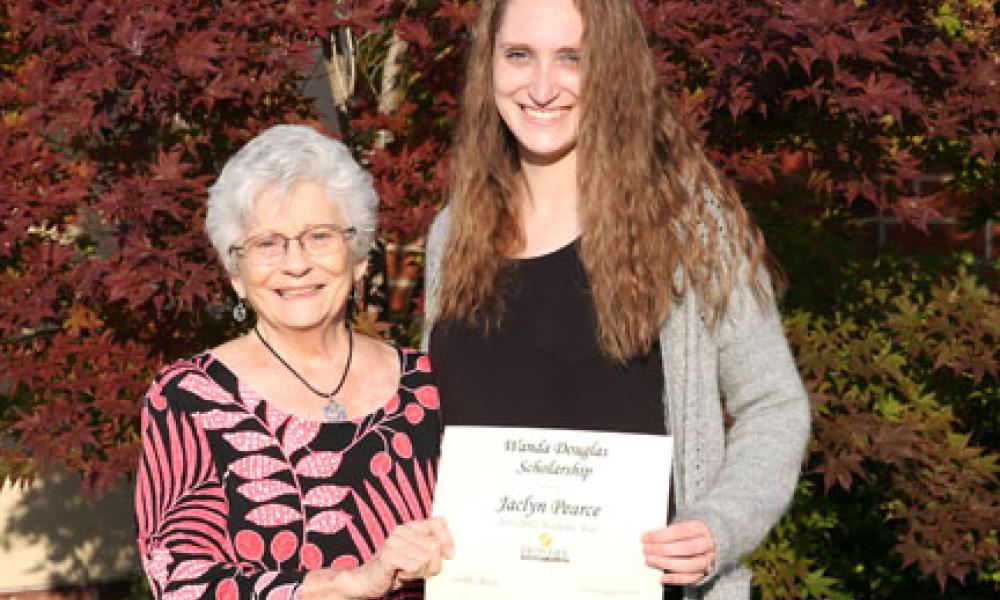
[550,514]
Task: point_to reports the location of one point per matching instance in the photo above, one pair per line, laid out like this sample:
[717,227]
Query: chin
[303,323]
[309,325]
[546,153]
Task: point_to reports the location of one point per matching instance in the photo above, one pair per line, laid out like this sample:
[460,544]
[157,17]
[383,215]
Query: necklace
[333,412]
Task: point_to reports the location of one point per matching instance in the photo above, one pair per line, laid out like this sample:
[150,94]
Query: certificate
[548,514]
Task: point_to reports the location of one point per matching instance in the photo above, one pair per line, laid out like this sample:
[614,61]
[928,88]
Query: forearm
[413,551]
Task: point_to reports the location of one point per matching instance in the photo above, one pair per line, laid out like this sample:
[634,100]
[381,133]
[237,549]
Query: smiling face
[299,292]
[536,77]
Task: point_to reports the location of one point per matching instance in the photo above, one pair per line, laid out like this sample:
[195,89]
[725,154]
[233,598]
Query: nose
[543,87]
[295,261]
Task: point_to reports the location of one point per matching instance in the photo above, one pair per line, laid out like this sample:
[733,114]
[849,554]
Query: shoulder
[415,364]
[186,380]
[437,235]
[228,352]
[417,377]
[377,365]
[383,360]
[442,220]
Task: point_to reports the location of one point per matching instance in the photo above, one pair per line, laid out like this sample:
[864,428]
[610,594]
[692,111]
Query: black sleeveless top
[542,367]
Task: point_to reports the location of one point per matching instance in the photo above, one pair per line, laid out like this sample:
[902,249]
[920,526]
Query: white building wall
[54,535]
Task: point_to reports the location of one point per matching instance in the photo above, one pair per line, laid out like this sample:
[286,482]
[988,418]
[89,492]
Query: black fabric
[673,592]
[542,367]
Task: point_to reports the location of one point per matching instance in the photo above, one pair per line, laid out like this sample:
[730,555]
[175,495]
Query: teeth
[298,292]
[545,115]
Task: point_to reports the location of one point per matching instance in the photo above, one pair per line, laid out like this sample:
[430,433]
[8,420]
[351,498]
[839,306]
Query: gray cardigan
[737,481]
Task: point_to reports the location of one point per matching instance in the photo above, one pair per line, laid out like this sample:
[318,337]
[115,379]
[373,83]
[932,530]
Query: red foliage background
[117,114]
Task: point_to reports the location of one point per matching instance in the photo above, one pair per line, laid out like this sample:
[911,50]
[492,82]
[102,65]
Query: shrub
[115,117]
[900,492]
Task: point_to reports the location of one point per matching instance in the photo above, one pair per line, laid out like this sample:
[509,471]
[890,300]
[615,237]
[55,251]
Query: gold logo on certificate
[545,551]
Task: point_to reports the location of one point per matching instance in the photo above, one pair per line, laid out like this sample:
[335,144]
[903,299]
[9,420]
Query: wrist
[331,584]
[346,584]
[364,582]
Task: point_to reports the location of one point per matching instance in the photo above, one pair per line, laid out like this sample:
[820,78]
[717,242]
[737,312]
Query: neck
[316,345]
[550,185]
[549,205]
[333,411]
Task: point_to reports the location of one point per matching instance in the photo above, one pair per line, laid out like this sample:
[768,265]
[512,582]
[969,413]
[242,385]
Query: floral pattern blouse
[237,499]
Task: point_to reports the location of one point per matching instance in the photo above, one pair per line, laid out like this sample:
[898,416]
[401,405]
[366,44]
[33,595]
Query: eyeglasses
[316,241]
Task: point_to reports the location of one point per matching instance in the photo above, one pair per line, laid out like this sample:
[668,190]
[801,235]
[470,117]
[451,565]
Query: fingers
[414,550]
[684,530]
[685,552]
[682,571]
[437,528]
[682,548]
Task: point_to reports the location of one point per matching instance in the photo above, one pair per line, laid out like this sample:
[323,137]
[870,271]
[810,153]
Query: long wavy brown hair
[658,219]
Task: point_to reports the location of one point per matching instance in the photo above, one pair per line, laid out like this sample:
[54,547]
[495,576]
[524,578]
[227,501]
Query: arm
[412,551]
[182,514]
[746,357]
[763,392]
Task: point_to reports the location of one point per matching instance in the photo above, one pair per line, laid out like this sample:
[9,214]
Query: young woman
[296,461]
[594,271]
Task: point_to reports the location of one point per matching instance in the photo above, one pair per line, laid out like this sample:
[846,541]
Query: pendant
[334,412]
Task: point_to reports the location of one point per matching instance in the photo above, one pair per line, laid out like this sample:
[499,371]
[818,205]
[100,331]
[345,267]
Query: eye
[266,242]
[570,56]
[516,54]
[320,235]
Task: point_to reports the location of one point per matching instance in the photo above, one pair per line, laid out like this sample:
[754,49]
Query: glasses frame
[346,233]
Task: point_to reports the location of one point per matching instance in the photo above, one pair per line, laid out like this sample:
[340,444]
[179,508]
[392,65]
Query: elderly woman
[296,460]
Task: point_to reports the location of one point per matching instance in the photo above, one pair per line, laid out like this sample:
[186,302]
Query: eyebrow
[528,46]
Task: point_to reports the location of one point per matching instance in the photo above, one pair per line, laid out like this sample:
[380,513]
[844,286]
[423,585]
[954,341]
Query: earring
[240,312]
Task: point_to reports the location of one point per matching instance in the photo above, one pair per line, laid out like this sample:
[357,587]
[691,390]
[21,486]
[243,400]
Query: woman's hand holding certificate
[684,551]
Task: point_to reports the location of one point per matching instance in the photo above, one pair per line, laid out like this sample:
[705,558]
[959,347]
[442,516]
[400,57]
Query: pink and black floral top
[237,499]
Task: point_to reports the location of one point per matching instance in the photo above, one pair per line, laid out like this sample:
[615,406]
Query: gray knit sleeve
[763,393]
